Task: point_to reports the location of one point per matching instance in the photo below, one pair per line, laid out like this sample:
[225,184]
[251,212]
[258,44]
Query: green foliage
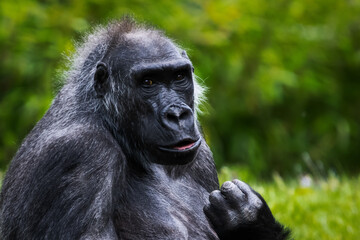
[321,210]
[283,76]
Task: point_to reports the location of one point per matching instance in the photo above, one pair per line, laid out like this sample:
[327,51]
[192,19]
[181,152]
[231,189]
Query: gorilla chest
[172,211]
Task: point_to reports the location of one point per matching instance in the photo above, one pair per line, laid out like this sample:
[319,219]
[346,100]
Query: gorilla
[120,154]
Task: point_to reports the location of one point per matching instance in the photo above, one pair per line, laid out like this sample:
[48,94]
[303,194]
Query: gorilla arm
[73,179]
[88,198]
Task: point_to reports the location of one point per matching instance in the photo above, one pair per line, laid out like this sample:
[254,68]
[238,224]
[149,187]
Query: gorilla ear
[101,83]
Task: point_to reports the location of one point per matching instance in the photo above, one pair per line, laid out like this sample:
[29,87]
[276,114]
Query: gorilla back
[119,154]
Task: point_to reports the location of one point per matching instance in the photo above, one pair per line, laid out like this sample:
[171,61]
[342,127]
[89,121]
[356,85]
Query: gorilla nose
[177,117]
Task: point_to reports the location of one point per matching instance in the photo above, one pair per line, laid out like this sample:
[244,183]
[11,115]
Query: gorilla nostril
[172,117]
[185,114]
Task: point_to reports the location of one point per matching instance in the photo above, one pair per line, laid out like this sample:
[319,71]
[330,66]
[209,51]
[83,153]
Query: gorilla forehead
[146,46]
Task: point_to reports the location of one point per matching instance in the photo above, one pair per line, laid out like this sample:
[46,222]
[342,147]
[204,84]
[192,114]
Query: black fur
[119,154]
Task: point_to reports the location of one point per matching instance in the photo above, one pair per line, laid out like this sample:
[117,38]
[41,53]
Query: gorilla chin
[180,153]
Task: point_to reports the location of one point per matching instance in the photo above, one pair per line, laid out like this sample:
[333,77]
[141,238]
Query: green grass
[325,209]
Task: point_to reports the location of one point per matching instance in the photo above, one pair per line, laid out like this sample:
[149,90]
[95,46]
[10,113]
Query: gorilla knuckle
[216,198]
[227,186]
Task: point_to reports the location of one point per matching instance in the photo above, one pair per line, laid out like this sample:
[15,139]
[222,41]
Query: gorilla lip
[182,146]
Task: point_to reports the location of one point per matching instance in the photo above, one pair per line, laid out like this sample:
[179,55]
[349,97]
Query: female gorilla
[119,154]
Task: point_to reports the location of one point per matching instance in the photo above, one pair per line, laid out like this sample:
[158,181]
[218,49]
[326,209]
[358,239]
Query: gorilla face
[160,116]
[167,92]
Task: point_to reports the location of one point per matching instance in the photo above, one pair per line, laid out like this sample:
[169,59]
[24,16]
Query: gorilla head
[147,85]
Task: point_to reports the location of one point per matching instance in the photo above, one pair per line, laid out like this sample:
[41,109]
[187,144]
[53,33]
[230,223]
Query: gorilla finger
[213,215]
[207,210]
[245,188]
[252,196]
[217,199]
[233,193]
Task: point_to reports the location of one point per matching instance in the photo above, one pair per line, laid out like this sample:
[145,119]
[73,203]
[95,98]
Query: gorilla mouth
[182,146]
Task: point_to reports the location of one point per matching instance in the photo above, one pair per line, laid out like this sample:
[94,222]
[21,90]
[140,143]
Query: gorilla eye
[148,82]
[179,76]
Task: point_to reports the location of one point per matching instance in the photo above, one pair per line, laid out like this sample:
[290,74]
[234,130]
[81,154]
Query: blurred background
[283,76]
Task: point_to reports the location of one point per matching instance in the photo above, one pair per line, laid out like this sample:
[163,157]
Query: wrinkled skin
[120,154]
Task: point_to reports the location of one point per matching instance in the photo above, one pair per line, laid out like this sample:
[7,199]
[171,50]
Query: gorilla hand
[237,211]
